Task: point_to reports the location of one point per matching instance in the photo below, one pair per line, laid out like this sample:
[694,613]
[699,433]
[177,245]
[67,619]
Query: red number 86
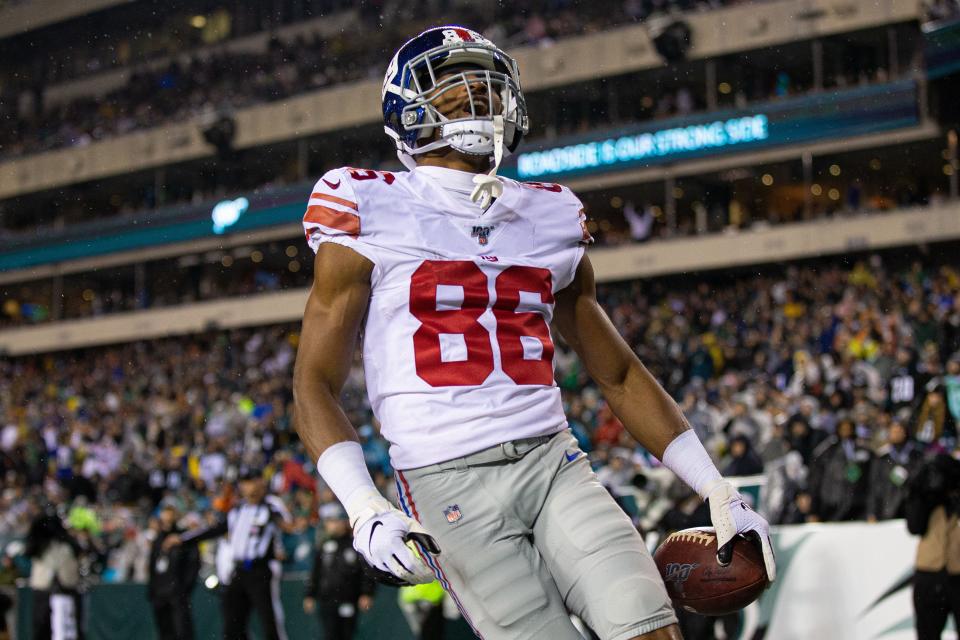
[512,325]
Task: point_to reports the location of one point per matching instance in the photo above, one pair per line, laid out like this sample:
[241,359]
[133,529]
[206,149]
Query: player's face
[455,102]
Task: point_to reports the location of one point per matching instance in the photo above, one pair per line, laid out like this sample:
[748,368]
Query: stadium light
[226,213]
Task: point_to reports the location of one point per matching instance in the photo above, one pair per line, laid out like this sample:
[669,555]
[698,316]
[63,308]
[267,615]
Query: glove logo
[453,514]
[373,527]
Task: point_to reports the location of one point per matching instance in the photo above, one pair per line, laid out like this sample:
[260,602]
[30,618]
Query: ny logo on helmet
[458,34]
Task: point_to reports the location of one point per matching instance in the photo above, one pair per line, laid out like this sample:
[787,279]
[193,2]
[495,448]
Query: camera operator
[933,512]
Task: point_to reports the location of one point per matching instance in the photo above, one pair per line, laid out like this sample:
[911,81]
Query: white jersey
[457,350]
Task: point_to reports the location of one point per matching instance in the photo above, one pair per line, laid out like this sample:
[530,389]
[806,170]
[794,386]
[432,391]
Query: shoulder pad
[333,208]
[571,210]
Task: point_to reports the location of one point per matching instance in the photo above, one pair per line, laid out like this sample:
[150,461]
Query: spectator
[799,510]
[931,418]
[903,386]
[951,387]
[743,460]
[641,224]
[839,476]
[803,439]
[785,481]
[895,463]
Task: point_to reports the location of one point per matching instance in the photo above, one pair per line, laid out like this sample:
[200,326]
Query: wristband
[344,469]
[687,458]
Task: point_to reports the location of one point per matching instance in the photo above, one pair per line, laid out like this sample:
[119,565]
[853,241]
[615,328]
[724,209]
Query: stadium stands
[774,360]
[788,286]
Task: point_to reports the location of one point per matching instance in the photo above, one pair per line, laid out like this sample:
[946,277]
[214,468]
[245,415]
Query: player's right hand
[391,542]
[730,516]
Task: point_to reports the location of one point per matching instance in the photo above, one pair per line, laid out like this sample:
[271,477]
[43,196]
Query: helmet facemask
[491,95]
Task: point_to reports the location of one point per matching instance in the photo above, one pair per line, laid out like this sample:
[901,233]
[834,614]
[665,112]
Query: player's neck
[455,160]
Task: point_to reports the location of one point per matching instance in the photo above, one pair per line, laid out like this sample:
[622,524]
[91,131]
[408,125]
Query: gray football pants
[527,533]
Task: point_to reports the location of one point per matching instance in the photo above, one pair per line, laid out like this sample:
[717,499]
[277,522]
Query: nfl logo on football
[453,513]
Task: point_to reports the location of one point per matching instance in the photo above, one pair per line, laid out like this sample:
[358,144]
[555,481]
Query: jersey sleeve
[334,214]
[572,229]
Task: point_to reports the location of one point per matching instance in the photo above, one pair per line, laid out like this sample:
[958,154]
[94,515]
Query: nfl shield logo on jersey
[481,233]
[453,513]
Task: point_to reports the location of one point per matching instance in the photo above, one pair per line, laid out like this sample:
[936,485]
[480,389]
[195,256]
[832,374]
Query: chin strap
[488,184]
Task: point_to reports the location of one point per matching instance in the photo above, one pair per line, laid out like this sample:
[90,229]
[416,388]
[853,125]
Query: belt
[511,450]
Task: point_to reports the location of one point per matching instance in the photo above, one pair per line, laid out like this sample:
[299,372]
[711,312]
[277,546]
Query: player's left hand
[730,516]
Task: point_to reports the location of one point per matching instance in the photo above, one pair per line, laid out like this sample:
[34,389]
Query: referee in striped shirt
[253,533]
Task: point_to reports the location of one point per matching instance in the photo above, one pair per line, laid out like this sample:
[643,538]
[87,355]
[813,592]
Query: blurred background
[772,184]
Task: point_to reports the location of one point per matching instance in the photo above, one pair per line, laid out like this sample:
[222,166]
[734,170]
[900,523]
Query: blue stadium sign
[657,144]
[823,116]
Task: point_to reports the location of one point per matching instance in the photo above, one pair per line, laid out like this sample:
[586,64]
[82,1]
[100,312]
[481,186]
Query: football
[695,581]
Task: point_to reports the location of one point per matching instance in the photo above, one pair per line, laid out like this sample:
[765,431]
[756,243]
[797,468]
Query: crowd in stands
[195,84]
[79,48]
[170,31]
[828,380]
[206,85]
[190,85]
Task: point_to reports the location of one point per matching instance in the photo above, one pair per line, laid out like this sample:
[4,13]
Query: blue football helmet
[442,59]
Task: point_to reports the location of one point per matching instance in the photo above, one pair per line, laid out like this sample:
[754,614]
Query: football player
[454,276]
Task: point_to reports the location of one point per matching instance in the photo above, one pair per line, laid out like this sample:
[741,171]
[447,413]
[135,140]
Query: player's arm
[331,324]
[328,338]
[647,411]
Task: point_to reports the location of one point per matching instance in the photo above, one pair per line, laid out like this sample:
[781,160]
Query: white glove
[386,537]
[730,515]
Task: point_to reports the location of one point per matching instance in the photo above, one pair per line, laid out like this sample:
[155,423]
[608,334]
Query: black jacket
[936,483]
[838,479]
[888,480]
[173,573]
[339,574]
